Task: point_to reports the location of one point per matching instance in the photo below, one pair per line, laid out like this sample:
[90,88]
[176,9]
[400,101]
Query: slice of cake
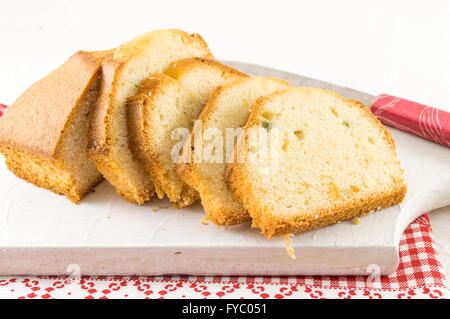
[131,63]
[226,110]
[335,162]
[163,106]
[44,135]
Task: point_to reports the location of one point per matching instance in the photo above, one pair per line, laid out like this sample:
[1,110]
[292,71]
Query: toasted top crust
[115,69]
[133,47]
[179,68]
[103,56]
[37,119]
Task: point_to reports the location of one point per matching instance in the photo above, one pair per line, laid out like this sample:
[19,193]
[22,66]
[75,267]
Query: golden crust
[178,68]
[46,173]
[37,120]
[36,126]
[215,212]
[128,50]
[102,147]
[271,225]
[189,172]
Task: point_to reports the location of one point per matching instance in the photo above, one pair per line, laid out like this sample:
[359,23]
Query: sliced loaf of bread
[163,106]
[44,134]
[131,63]
[227,108]
[335,162]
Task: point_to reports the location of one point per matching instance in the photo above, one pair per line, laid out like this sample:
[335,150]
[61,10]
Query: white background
[400,47]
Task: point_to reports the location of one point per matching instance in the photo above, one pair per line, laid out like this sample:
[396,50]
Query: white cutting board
[42,233]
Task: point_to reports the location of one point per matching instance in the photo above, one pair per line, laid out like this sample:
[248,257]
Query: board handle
[431,197]
[414,118]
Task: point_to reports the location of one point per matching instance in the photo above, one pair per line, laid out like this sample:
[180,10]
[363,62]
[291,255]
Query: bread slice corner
[44,135]
[335,162]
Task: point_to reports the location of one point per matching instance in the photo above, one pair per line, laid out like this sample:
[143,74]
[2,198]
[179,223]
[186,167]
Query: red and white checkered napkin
[420,275]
